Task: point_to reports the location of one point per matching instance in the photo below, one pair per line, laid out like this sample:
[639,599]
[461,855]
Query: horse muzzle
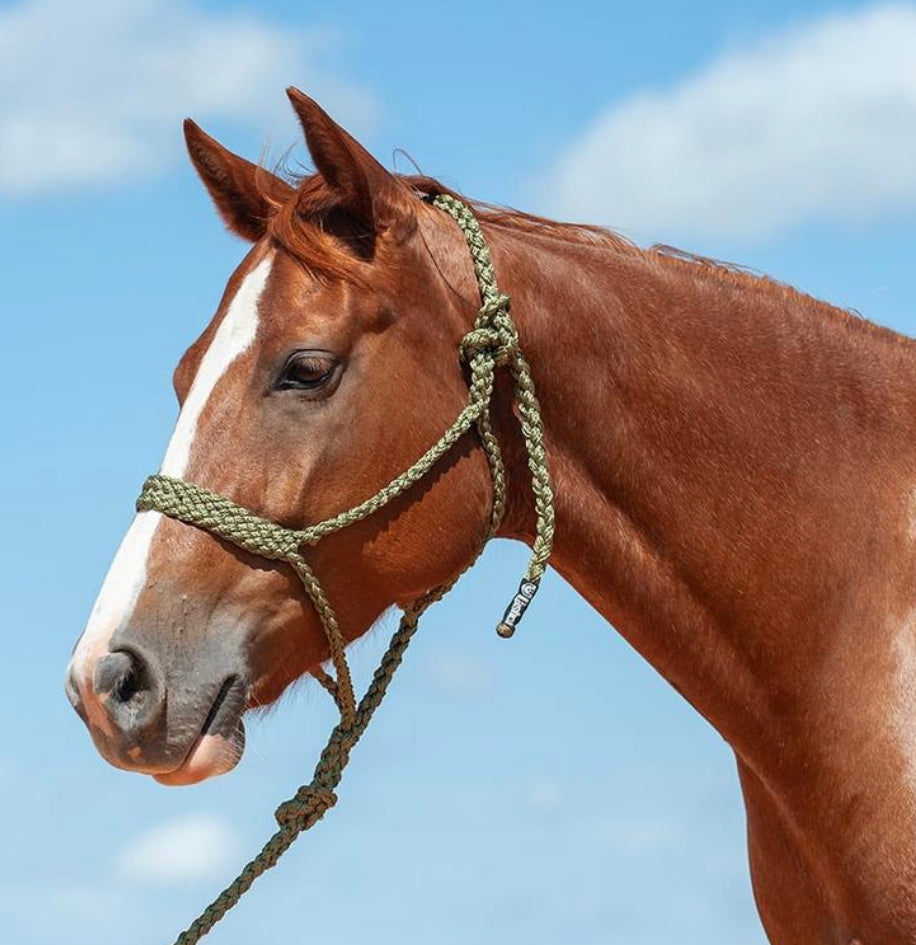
[180,725]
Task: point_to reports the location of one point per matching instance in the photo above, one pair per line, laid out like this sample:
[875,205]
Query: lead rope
[493,341]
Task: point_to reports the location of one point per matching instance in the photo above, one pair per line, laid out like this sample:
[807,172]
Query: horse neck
[734,470]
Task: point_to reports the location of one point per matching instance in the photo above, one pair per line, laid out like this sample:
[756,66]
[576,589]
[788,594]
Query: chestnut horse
[735,474]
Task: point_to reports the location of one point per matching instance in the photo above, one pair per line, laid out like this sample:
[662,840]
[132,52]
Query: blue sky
[548,790]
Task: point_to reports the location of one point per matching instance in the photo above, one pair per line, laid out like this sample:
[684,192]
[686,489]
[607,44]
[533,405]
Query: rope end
[516,609]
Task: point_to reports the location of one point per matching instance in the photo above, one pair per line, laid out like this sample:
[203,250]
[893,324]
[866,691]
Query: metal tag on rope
[492,342]
[516,609]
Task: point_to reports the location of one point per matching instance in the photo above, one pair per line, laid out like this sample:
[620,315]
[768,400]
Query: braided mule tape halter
[492,342]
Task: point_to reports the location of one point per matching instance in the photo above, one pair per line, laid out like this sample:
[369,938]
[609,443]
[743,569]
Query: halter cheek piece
[492,342]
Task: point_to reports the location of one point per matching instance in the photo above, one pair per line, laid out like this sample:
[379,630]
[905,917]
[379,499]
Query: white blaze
[127,575]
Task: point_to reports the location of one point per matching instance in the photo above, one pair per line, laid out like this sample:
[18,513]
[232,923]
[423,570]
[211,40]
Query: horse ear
[367,190]
[245,195]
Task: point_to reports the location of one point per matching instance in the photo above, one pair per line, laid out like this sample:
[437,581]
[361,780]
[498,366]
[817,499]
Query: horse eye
[308,371]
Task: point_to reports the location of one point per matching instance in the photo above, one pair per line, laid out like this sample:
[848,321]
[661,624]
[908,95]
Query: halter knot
[493,334]
[305,807]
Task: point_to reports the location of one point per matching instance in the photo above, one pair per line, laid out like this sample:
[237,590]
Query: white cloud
[95,91]
[816,123]
[187,849]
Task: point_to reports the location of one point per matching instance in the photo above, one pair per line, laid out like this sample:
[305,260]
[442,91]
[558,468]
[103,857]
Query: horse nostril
[121,677]
[110,673]
[126,683]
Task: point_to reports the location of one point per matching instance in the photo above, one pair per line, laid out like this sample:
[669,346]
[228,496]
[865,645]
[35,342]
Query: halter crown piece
[491,343]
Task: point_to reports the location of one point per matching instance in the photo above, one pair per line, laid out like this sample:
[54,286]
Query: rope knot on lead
[306,807]
[494,334]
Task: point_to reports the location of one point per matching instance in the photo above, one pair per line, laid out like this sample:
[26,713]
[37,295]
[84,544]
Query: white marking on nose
[127,575]
[234,335]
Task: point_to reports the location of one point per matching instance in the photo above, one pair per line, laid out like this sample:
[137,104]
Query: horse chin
[210,756]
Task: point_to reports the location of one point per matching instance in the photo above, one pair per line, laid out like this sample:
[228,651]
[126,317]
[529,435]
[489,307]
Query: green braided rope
[496,326]
[493,341]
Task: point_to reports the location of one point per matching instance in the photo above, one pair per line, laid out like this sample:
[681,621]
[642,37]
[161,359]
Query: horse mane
[308,225]
[301,226]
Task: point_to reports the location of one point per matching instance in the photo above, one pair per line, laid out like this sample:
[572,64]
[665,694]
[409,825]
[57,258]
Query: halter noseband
[492,342]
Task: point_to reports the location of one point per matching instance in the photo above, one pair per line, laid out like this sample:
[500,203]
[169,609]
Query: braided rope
[493,341]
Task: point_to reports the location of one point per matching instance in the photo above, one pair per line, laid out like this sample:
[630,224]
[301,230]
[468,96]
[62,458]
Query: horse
[734,467]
